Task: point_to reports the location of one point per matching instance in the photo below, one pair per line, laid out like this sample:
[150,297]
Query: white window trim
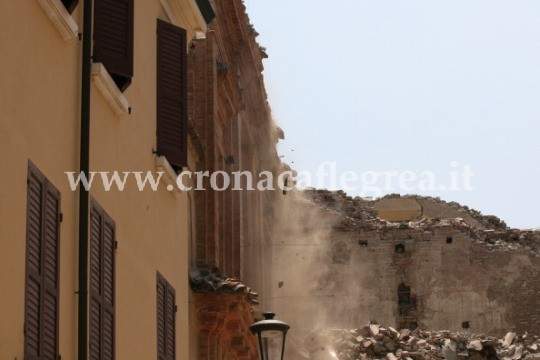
[60,17]
[169,175]
[197,13]
[169,12]
[106,85]
[185,14]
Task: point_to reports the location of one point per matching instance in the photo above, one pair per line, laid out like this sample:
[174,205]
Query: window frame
[61,18]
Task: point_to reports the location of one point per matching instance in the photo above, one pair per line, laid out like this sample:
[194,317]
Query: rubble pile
[356,214]
[340,203]
[373,341]
[205,280]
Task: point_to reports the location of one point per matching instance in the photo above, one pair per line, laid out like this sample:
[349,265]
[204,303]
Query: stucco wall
[38,122]
[40,100]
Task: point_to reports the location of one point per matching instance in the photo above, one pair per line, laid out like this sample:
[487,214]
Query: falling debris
[373,341]
[204,280]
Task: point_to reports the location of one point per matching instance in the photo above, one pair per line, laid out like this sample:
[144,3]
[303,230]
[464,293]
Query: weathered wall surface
[233,131]
[232,124]
[332,270]
[398,209]
[394,207]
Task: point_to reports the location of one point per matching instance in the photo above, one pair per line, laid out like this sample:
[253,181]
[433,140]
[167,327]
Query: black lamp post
[271,336]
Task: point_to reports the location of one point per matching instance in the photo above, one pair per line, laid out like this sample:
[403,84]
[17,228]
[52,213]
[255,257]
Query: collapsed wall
[338,265]
[395,207]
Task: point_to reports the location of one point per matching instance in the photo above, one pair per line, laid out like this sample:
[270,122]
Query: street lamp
[271,336]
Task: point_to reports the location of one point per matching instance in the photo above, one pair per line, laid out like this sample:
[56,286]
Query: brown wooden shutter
[102,283]
[170,323]
[113,39]
[42,262]
[161,289]
[166,319]
[108,289]
[70,5]
[95,283]
[34,280]
[172,94]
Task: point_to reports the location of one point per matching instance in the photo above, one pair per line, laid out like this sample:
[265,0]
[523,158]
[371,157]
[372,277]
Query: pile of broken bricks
[373,341]
[205,280]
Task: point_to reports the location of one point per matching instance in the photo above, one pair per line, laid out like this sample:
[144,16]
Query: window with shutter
[113,39]
[42,262]
[102,280]
[166,320]
[70,5]
[172,94]
[207,10]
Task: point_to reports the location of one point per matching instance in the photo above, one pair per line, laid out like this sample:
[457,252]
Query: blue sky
[411,86]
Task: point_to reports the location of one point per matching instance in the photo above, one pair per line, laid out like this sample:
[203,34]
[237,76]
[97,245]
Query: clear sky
[395,90]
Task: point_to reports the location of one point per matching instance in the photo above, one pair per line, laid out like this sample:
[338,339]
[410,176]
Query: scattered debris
[204,280]
[373,341]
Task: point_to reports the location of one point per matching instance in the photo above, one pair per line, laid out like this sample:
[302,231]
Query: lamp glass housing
[270,337]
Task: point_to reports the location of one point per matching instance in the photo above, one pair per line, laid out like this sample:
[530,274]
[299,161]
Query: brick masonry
[232,128]
[338,266]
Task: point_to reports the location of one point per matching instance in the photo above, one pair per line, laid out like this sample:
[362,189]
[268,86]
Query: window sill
[169,175]
[109,90]
[60,17]
[182,13]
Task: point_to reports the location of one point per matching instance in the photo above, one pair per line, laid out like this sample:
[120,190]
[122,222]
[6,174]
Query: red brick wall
[232,121]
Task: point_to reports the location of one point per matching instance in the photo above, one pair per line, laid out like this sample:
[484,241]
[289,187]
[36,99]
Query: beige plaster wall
[39,121]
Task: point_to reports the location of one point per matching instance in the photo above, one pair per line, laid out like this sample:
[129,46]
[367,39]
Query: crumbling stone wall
[232,130]
[350,266]
[415,207]
[436,209]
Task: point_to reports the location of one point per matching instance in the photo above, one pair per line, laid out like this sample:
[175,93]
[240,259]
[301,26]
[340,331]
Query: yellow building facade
[137,237]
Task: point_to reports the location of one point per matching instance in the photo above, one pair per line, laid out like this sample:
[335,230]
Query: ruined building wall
[395,207]
[232,129]
[334,270]
[232,124]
